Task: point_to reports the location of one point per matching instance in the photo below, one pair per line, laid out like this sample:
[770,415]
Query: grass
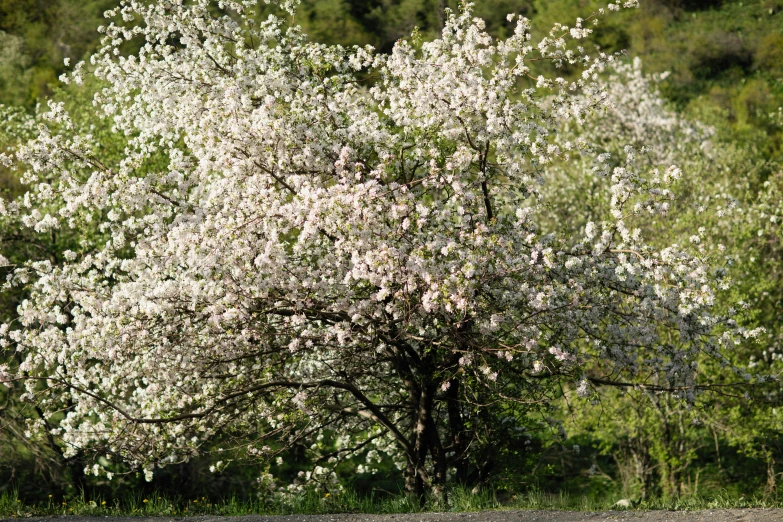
[460,500]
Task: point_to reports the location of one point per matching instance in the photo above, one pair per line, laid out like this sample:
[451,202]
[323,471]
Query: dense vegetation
[726,64]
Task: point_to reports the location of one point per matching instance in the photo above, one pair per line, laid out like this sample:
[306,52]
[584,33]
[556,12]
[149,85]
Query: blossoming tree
[729,210]
[303,241]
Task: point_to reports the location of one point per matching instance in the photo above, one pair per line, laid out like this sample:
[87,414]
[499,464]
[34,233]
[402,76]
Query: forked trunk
[426,441]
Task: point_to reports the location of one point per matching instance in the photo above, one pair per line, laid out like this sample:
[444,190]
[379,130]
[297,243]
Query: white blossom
[280,246]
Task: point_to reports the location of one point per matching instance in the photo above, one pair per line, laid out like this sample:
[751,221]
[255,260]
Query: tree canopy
[284,254]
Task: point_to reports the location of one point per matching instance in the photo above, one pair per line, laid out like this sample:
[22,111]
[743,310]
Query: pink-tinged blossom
[282,247]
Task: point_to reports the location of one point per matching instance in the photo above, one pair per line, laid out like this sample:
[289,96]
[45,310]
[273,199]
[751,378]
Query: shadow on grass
[460,500]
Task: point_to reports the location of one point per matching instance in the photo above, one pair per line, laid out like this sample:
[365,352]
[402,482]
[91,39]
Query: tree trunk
[416,474]
[771,486]
[426,440]
[457,427]
[439,460]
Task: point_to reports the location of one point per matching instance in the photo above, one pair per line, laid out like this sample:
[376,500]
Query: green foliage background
[726,63]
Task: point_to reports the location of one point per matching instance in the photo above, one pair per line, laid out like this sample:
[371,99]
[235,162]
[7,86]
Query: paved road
[717,515]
